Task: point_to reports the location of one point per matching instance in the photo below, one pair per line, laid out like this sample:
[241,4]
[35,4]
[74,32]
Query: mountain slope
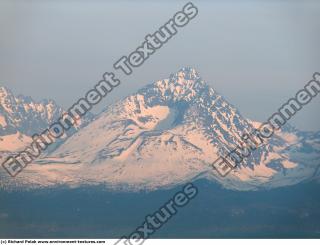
[21,117]
[170,132]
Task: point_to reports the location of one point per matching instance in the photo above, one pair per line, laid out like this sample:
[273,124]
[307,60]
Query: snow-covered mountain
[170,132]
[21,117]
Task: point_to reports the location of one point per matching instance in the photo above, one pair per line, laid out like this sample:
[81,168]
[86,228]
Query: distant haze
[257,54]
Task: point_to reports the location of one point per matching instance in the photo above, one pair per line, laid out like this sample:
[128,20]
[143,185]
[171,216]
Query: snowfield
[169,133]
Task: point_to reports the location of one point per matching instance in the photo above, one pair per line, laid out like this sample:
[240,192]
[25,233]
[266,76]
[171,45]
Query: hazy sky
[257,54]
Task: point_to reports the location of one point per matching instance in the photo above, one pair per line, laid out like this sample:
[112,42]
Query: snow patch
[14,142]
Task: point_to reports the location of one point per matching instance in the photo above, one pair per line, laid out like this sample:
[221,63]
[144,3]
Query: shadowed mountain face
[22,114]
[170,132]
[21,117]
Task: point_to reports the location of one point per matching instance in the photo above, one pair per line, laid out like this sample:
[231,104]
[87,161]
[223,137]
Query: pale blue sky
[257,54]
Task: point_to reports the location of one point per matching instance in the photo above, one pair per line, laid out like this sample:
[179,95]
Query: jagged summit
[4,90]
[186,73]
[183,86]
[170,132]
[21,117]
[6,96]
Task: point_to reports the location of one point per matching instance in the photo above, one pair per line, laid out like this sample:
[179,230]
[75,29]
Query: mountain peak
[168,132]
[187,73]
[4,91]
[184,85]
